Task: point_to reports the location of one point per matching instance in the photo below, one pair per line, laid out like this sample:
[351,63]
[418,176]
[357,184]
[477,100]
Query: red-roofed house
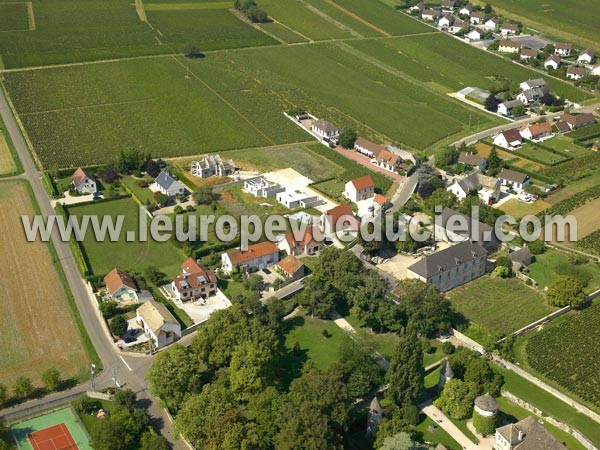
[121,286]
[579,120]
[366,147]
[509,139]
[359,189]
[291,267]
[307,245]
[257,256]
[537,131]
[195,281]
[83,182]
[340,218]
[387,160]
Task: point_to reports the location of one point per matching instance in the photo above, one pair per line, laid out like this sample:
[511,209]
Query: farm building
[212,165]
[158,323]
[168,185]
[367,148]
[195,282]
[83,182]
[256,256]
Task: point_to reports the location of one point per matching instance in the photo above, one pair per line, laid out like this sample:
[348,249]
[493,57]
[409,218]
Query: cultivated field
[566,353]
[587,218]
[7,163]
[37,329]
[500,305]
[13,16]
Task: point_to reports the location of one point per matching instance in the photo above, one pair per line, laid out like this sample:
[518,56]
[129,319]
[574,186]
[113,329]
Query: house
[325,130]
[195,282]
[359,189]
[473,160]
[256,256]
[291,267]
[527,434]
[491,24]
[488,188]
[418,7]
[474,35]
[538,83]
[506,108]
[530,96]
[528,53]
[451,267]
[563,49]
[465,10]
[430,14]
[552,63]
[212,165]
[509,139]
[339,219]
[562,126]
[521,258]
[578,120]
[83,182]
[445,21]
[168,185]
[296,198]
[448,5]
[121,286]
[536,131]
[508,29]
[513,179]
[387,160]
[309,243]
[458,26]
[596,70]
[261,187]
[576,73]
[452,226]
[586,57]
[158,323]
[367,148]
[508,46]
[477,17]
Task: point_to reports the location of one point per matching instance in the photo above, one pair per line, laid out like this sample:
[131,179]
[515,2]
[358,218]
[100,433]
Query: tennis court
[58,430]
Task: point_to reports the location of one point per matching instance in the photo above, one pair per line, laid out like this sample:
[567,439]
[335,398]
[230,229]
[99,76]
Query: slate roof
[483,228]
[165,180]
[326,126]
[513,175]
[522,256]
[487,403]
[447,259]
[534,436]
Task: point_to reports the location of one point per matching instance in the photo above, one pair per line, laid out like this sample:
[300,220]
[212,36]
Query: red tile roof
[238,256]
[579,119]
[380,199]
[290,265]
[338,212]
[512,135]
[538,128]
[371,146]
[79,175]
[194,275]
[363,183]
[116,279]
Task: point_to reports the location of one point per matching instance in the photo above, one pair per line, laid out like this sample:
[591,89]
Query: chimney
[520,437]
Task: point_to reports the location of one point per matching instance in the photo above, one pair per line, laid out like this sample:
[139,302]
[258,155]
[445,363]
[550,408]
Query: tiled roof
[363,183]
[116,279]
[237,256]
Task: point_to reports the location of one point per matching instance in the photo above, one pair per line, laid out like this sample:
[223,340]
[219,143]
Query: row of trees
[251,10]
[24,388]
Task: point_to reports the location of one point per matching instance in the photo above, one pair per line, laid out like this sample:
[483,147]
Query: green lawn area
[529,150]
[135,255]
[498,305]
[143,193]
[90,421]
[437,436]
[550,405]
[554,262]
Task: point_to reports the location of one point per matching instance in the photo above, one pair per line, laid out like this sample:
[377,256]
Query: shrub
[86,405]
[448,348]
[484,425]
[51,378]
[118,325]
[108,309]
[326,334]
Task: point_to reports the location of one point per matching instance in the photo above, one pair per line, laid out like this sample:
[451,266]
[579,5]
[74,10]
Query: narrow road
[130,373]
[446,424]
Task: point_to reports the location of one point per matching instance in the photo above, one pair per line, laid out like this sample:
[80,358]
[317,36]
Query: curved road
[130,371]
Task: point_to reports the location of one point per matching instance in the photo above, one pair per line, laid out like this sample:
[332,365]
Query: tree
[446,156]
[347,138]
[85,405]
[566,290]
[405,375]
[427,310]
[491,103]
[51,378]
[250,369]
[203,195]
[441,198]
[23,386]
[502,271]
[488,8]
[264,408]
[537,247]
[152,168]
[155,276]
[484,425]
[457,399]
[118,325]
[153,441]
[359,371]
[401,441]
[3,394]
[494,163]
[108,309]
[191,51]
[173,374]
[160,198]
[108,174]
[460,360]
[519,111]
[119,431]
[480,372]
[318,296]
[125,398]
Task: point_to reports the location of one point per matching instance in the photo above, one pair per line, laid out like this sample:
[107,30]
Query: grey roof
[487,403]
[509,104]
[577,70]
[523,255]
[470,159]
[532,94]
[513,175]
[165,180]
[448,372]
[534,436]
[375,406]
[536,83]
[484,229]
[447,259]
[326,126]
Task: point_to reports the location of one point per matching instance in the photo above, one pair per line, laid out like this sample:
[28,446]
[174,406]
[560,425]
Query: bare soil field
[7,163]
[37,327]
[587,218]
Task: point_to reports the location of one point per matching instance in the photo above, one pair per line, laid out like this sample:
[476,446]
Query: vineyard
[566,206]
[13,16]
[575,169]
[566,353]
[590,243]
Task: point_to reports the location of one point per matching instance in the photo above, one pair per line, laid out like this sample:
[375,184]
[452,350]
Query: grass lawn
[499,305]
[529,150]
[550,405]
[518,208]
[133,256]
[554,262]
[145,195]
[437,436]
[90,422]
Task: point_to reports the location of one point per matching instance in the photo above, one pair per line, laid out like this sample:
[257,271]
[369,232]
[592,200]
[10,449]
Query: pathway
[443,422]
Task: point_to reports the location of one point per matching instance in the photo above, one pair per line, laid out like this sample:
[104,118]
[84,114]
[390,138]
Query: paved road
[443,422]
[405,190]
[130,372]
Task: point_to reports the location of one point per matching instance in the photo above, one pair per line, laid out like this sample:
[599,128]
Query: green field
[571,20]
[358,27]
[565,352]
[553,263]
[449,65]
[282,32]
[129,256]
[13,17]
[500,305]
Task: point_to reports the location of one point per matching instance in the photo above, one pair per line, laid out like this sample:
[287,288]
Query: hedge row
[81,259]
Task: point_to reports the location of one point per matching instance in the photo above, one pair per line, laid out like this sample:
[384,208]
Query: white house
[212,165]
[339,219]
[530,96]
[430,14]
[596,70]
[508,46]
[473,160]
[261,187]
[474,35]
[326,130]
[563,49]
[418,7]
[296,198]
[576,73]
[458,26]
[308,243]
[256,256]
[509,139]
[359,189]
[448,5]
[387,160]
[514,179]
[527,53]
[586,57]
[508,29]
[168,185]
[477,17]
[487,188]
[158,323]
[491,24]
[194,282]
[538,83]
[552,63]
[537,131]
[506,108]
[445,21]
[83,182]
[368,148]
[121,286]
[465,10]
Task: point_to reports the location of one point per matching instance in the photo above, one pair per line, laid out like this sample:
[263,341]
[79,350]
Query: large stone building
[528,434]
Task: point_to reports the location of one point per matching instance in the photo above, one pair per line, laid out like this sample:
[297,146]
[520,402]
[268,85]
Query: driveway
[366,161]
[443,422]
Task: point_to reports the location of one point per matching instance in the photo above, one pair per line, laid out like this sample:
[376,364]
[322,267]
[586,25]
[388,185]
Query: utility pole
[92,367]
[114,377]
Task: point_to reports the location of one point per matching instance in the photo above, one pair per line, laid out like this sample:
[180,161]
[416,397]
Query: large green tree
[250,368]
[566,290]
[457,399]
[318,296]
[427,310]
[51,378]
[359,370]
[405,375]
[401,441]
[480,372]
